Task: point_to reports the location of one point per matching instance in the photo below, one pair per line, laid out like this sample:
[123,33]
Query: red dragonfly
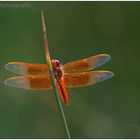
[74,74]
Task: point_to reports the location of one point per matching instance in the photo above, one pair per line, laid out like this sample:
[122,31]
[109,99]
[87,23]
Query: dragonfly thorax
[57,69]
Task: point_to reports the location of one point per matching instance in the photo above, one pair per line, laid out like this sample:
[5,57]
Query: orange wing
[83,79]
[86,64]
[34,82]
[41,82]
[22,68]
[38,82]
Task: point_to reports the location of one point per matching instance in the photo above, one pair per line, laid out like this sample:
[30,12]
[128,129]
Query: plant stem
[48,59]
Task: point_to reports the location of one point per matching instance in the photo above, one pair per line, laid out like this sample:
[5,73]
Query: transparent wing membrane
[83,79]
[35,82]
[22,68]
[86,64]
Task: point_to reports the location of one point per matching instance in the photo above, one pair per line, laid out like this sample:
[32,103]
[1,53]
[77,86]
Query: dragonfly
[78,73]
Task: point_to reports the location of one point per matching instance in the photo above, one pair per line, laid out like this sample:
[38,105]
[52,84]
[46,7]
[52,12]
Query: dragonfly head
[57,69]
[55,64]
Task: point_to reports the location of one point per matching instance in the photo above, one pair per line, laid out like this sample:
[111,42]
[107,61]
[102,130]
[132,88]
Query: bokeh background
[76,30]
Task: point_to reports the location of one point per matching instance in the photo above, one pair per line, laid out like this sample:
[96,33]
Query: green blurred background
[76,30]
